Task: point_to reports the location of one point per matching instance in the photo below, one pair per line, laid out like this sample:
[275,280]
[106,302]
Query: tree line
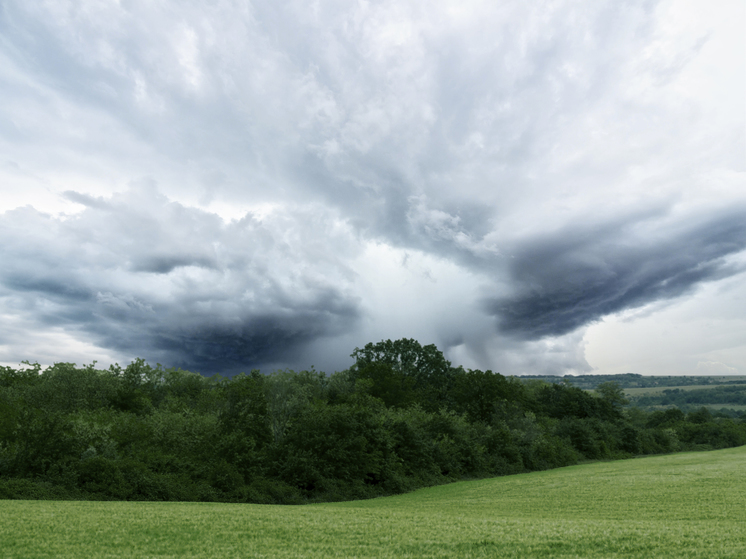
[688,399]
[402,417]
[631,380]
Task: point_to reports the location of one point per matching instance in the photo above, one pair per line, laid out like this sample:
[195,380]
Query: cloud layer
[142,275]
[579,275]
[239,184]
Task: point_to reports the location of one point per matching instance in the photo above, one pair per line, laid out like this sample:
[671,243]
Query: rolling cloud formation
[270,184]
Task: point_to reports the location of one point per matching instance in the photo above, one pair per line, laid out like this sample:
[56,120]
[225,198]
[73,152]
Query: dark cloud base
[579,276]
[228,350]
[226,300]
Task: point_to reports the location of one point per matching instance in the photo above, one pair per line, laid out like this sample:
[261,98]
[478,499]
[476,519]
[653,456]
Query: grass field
[658,390]
[680,505]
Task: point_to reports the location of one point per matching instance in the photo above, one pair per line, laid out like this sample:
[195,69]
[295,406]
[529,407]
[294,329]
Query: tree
[288,393]
[393,386]
[477,393]
[343,443]
[612,393]
[243,423]
[431,374]
[560,401]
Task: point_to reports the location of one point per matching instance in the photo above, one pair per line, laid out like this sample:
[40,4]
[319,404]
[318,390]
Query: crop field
[657,390]
[680,505]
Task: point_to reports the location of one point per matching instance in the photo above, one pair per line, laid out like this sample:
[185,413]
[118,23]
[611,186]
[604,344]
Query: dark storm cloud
[209,342]
[359,134]
[578,275]
[150,278]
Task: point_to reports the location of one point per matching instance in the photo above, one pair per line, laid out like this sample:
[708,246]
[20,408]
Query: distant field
[680,505]
[627,381]
[656,390]
[711,407]
[727,398]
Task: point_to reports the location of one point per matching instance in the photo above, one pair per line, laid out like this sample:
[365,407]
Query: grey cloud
[85,199]
[464,136]
[211,342]
[579,275]
[455,114]
[163,264]
[243,294]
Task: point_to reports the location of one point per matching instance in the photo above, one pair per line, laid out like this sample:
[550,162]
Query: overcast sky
[535,187]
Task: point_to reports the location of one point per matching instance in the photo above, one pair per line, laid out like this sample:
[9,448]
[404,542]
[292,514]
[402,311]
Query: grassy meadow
[680,505]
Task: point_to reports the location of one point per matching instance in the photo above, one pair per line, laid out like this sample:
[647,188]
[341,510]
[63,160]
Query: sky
[554,187]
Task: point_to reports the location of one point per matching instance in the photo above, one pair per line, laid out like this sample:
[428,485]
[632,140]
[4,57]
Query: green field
[657,390]
[680,505]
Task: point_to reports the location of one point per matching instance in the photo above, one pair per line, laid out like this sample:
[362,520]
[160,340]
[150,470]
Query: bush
[29,489]
[344,442]
[547,451]
[659,441]
[104,476]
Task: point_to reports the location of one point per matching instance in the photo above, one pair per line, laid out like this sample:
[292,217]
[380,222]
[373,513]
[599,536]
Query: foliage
[422,369]
[401,418]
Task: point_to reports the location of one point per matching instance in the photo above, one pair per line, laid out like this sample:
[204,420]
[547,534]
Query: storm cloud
[150,277]
[233,185]
[577,276]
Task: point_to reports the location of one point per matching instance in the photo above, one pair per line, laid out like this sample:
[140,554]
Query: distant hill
[723,395]
[629,380]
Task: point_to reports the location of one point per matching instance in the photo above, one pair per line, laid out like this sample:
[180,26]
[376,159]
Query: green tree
[480,394]
[391,385]
[243,423]
[432,375]
[612,393]
[132,391]
[344,443]
[289,393]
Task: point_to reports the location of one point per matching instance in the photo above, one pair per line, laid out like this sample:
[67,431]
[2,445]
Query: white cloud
[434,147]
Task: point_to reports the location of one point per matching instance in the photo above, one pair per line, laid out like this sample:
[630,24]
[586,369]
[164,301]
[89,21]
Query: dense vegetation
[401,418]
